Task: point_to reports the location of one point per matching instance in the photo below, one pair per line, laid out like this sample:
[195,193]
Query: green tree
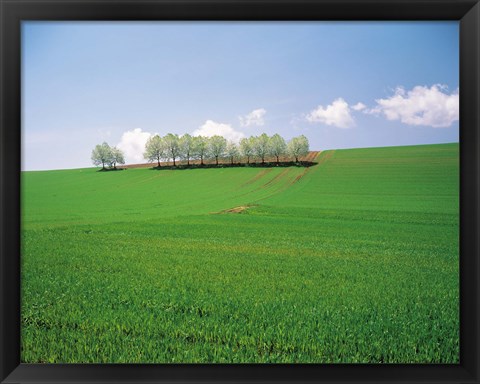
[172,146]
[261,146]
[154,149]
[117,157]
[200,148]
[232,151]
[246,148]
[277,146]
[298,146]
[187,147]
[102,154]
[217,147]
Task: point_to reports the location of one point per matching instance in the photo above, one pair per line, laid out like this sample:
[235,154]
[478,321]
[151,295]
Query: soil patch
[239,209]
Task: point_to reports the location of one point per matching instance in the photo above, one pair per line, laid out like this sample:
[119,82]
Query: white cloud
[132,144]
[336,114]
[253,118]
[359,106]
[212,128]
[432,106]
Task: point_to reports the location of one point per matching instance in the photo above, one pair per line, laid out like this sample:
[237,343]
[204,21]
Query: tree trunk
[216,160]
[296,159]
[232,160]
[174,161]
[263,160]
[158,161]
[248,159]
[277,161]
[201,160]
[188,160]
[103,165]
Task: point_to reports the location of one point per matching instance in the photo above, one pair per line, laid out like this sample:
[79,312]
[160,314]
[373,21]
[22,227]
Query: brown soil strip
[299,176]
[312,155]
[327,156]
[258,176]
[276,178]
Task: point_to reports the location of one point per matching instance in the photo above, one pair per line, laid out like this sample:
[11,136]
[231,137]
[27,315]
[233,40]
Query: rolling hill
[354,259]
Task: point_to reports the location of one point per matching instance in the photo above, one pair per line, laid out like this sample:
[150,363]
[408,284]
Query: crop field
[352,260]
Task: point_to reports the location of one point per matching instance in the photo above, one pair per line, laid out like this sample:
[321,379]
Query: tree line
[173,147]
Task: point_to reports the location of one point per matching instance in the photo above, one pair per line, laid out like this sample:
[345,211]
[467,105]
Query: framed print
[239,191]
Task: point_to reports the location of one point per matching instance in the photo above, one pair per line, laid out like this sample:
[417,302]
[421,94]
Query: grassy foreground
[352,260]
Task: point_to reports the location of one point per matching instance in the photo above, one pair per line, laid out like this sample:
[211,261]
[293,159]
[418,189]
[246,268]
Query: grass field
[352,260]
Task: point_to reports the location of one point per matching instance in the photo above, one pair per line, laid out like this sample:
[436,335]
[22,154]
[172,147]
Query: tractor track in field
[328,156]
[277,178]
[258,176]
[310,157]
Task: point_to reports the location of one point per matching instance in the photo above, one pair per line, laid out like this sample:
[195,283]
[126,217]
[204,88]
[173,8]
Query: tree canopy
[246,147]
[186,147]
[104,155]
[277,146]
[218,145]
[298,146]
[261,146]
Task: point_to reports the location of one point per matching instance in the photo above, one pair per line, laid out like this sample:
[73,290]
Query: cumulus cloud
[337,114]
[132,144]
[432,106]
[212,128]
[253,118]
[359,106]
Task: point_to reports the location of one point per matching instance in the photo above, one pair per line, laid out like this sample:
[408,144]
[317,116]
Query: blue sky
[341,84]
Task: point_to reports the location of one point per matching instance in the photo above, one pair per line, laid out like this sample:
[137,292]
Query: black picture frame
[12,12]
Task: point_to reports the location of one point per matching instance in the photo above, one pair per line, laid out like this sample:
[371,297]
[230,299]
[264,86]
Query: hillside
[354,259]
[85,195]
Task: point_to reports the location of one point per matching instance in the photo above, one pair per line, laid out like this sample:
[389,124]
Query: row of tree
[186,147]
[172,147]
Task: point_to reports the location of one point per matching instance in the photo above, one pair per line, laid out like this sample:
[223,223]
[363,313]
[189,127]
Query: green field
[352,260]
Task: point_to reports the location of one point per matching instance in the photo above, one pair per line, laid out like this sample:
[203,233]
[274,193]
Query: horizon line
[320,150]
